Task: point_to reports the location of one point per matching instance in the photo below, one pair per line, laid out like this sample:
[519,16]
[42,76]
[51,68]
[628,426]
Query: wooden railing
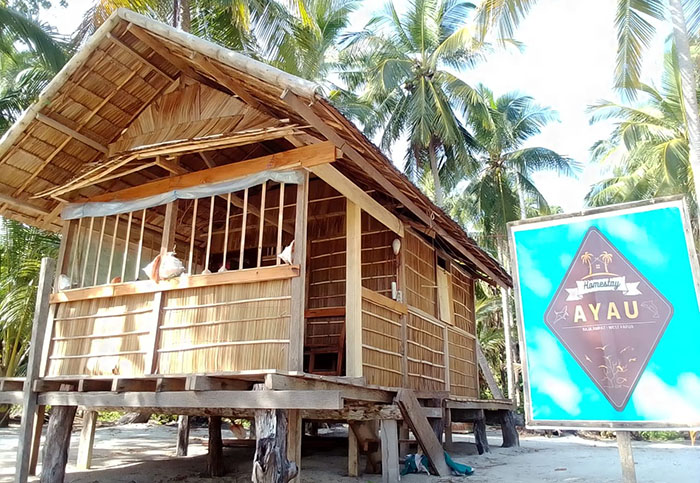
[203,323]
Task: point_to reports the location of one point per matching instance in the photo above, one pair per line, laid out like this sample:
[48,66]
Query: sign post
[608,314]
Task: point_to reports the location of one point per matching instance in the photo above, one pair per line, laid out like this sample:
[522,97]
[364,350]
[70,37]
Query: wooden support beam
[36,438]
[183,435]
[211,383]
[353,454]
[413,415]
[117,41]
[72,133]
[353,290]
[204,399]
[348,391]
[30,409]
[488,374]
[215,455]
[53,468]
[352,192]
[482,442]
[87,440]
[298,287]
[270,464]
[304,157]
[390,451]
[295,432]
[329,133]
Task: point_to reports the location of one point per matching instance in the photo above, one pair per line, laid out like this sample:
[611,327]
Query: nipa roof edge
[307,90]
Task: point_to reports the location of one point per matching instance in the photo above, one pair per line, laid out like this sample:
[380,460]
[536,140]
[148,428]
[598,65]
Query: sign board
[609,321]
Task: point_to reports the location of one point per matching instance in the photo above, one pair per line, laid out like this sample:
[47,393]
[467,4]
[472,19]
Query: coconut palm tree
[635,22]
[647,151]
[586,259]
[507,163]
[606,258]
[403,66]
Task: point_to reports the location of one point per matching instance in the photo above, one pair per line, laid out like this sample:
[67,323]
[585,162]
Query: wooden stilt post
[183,435]
[57,444]
[295,432]
[30,410]
[87,440]
[36,438]
[390,451]
[482,443]
[624,446]
[215,456]
[510,434]
[448,428]
[353,454]
[270,464]
[353,295]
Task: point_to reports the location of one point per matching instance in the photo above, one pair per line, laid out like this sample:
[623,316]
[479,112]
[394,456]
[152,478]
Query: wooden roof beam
[305,111]
[72,133]
[126,48]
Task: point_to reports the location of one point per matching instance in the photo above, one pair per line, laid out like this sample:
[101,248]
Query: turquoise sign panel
[609,318]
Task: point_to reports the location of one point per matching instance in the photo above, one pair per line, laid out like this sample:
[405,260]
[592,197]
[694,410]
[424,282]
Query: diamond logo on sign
[608,316]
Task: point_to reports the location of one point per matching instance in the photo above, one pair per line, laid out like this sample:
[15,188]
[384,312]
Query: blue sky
[567,64]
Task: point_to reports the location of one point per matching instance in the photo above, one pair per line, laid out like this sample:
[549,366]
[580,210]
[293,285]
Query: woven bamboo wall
[381,345]
[379,264]
[225,328]
[463,300]
[101,337]
[421,285]
[425,351]
[464,379]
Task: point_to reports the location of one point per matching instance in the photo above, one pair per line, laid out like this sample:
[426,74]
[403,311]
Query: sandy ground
[144,453]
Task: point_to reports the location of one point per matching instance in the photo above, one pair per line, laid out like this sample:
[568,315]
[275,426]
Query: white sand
[144,453]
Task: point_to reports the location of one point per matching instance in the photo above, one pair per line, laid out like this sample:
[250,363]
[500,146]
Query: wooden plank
[488,374]
[323,312]
[298,285]
[306,157]
[203,399]
[151,356]
[352,192]
[125,384]
[329,133]
[36,438]
[413,414]
[384,301]
[72,133]
[87,440]
[390,451]
[248,275]
[295,432]
[38,341]
[353,290]
[489,404]
[283,382]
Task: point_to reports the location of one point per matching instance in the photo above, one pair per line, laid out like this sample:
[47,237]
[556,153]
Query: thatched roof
[139,84]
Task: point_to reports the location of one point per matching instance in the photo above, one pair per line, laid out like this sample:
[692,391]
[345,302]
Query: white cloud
[637,238]
[547,368]
[530,274]
[655,400]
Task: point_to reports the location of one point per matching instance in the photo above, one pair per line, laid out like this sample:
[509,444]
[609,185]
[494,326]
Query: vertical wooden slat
[126,245]
[243,227]
[87,252]
[296,325]
[390,451]
[169,227]
[111,251]
[38,342]
[228,215]
[262,222]
[194,230]
[353,290]
[75,258]
[87,440]
[64,252]
[280,222]
[211,221]
[99,250]
[140,248]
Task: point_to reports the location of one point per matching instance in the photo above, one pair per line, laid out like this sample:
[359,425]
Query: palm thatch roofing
[138,85]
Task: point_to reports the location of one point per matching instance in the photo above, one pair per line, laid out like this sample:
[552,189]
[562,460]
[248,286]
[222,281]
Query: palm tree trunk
[185,15]
[437,185]
[688,87]
[521,196]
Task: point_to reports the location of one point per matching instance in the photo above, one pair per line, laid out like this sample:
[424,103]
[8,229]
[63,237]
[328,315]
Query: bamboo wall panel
[225,328]
[379,264]
[381,345]
[463,300]
[421,283]
[105,336]
[464,379]
[425,352]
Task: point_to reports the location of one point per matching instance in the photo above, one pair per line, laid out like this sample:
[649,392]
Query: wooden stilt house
[309,263]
